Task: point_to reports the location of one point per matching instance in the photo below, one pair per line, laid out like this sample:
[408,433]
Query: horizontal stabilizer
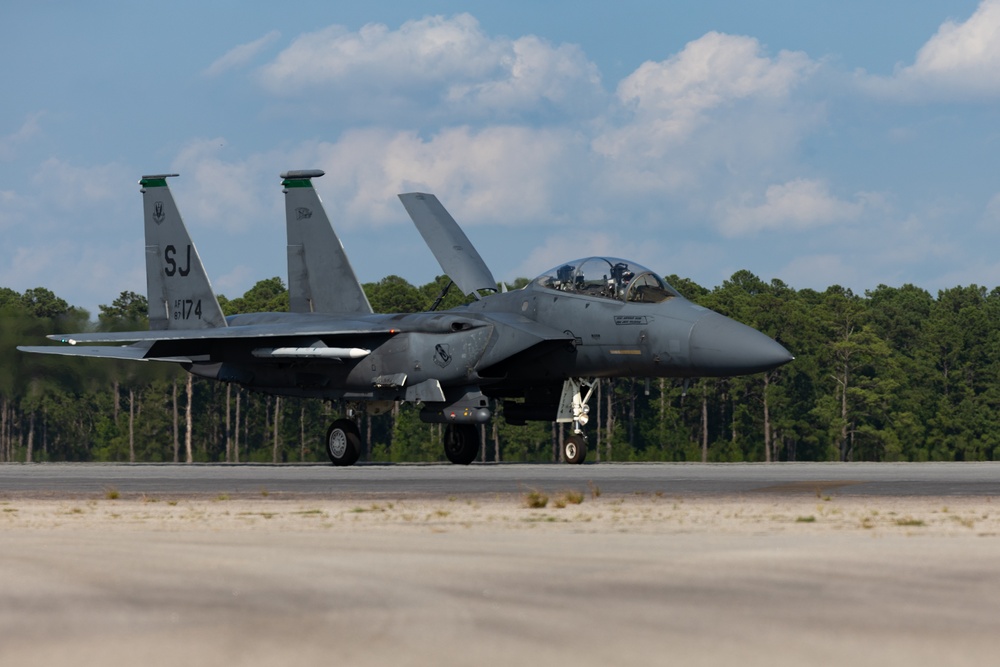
[452,248]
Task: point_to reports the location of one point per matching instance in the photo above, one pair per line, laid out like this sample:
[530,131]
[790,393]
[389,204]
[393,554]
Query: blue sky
[821,143]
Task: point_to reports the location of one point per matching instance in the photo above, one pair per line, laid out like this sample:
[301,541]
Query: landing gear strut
[573,408]
[343,442]
[461,443]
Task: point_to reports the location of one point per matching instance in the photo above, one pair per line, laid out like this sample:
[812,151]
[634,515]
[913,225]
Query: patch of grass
[536,499]
[374,508]
[265,493]
[909,521]
[568,498]
[867,523]
[595,491]
[309,512]
[806,519]
[221,497]
[111,493]
[9,509]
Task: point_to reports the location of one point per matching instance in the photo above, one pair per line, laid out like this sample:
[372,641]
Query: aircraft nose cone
[721,346]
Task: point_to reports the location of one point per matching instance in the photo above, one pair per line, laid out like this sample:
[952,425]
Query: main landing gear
[343,442]
[461,443]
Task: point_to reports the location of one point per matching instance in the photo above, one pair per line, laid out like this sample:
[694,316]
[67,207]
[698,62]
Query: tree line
[895,374]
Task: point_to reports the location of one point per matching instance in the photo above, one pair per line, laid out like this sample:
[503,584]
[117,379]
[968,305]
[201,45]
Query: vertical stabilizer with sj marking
[178,290]
[320,277]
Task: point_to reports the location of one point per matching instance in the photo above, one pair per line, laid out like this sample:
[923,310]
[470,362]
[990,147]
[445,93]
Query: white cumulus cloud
[227,194]
[72,187]
[960,60]
[240,55]
[505,174]
[721,113]
[28,130]
[795,205]
[433,66]
[710,72]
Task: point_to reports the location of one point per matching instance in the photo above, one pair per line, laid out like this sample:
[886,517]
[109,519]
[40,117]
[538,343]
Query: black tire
[575,449]
[343,442]
[461,443]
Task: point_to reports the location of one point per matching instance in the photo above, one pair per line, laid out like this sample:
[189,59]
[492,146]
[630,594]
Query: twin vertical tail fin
[178,290]
[320,277]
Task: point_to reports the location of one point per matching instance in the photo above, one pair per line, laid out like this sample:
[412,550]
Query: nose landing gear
[573,408]
[575,449]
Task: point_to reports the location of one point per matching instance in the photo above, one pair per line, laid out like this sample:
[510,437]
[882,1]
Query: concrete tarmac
[889,479]
[625,565]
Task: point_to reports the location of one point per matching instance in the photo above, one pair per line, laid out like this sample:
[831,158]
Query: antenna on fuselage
[442,295]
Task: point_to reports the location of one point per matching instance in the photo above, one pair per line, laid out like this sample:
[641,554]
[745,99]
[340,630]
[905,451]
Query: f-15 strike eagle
[540,350]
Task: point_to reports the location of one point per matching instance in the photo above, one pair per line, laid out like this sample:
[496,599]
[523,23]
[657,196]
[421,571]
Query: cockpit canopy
[609,278]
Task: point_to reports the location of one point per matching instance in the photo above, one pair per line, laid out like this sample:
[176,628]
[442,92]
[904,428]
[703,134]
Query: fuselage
[535,335]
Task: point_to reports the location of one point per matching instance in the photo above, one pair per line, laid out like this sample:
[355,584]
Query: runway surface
[881,479]
[769,565]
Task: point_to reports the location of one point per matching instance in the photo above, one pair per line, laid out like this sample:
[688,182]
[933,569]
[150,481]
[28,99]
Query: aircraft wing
[288,336]
[452,248]
[127,352]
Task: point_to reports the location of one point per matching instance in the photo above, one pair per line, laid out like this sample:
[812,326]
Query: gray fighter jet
[540,350]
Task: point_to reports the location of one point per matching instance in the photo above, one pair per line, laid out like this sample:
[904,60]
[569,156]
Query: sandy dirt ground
[789,577]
